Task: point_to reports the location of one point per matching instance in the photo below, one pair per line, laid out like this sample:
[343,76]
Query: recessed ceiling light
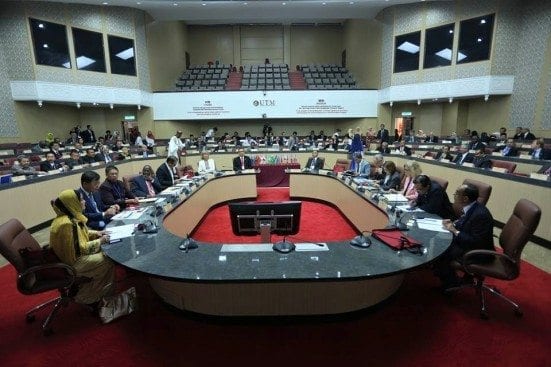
[479,40]
[204,4]
[323,3]
[45,45]
[40,25]
[175,4]
[483,21]
[451,30]
[351,3]
[245,3]
[283,3]
[138,3]
[105,3]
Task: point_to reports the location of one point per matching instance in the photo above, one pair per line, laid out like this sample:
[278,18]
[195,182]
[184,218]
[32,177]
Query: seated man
[539,151]
[432,198]
[314,163]
[113,191]
[146,184]
[23,167]
[444,153]
[165,173]
[242,162]
[402,149]
[206,164]
[90,156]
[50,163]
[473,230]
[481,159]
[509,150]
[359,166]
[74,159]
[464,156]
[98,214]
[383,148]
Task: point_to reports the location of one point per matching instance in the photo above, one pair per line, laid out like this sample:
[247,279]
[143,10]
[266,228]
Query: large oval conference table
[252,279]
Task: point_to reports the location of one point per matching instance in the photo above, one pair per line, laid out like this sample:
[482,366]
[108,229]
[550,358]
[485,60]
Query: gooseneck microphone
[188,243]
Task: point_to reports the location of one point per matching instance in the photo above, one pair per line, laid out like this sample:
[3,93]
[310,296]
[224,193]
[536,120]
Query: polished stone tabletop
[159,255]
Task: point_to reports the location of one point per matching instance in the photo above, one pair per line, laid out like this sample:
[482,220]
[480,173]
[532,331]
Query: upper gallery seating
[204,78]
[265,77]
[327,76]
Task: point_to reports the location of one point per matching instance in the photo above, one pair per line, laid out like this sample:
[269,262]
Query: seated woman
[412,169]
[392,177]
[206,164]
[80,247]
[113,191]
[146,184]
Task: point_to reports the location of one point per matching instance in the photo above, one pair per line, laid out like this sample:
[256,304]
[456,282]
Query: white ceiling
[254,11]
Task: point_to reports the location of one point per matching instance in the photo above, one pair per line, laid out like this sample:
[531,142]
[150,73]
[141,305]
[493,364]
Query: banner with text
[268,104]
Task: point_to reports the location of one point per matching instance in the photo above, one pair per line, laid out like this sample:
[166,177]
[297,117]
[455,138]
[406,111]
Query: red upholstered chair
[482,264]
[341,165]
[38,271]
[442,182]
[503,166]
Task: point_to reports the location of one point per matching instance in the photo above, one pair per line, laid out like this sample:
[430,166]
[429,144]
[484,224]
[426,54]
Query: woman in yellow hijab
[80,247]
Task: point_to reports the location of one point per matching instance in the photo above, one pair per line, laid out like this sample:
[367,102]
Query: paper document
[431,224]
[119,232]
[147,200]
[130,214]
[395,197]
[407,208]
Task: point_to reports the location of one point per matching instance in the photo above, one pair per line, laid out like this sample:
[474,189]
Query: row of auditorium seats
[327,76]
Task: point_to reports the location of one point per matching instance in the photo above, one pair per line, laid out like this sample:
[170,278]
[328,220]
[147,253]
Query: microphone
[284,246]
[188,243]
[150,227]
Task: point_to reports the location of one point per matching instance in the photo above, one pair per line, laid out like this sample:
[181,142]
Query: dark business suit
[88,136]
[139,186]
[433,139]
[469,158]
[476,145]
[89,160]
[115,193]
[47,166]
[317,165]
[528,136]
[383,151]
[447,156]
[507,151]
[482,161]
[383,135]
[248,163]
[95,217]
[404,150]
[541,154]
[436,201]
[392,183]
[100,157]
[475,232]
[164,176]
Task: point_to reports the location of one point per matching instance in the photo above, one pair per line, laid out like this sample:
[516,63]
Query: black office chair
[38,270]
[505,266]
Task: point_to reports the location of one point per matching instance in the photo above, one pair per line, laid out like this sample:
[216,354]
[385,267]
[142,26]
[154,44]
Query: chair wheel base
[30,319]
[518,312]
[48,331]
[484,315]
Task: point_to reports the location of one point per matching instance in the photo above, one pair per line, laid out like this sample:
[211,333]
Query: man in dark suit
[242,161]
[432,198]
[481,159]
[50,163]
[88,135]
[98,215]
[509,150]
[473,230]
[464,156]
[165,173]
[314,163]
[74,159]
[527,135]
[402,149]
[444,153]
[383,148]
[113,191]
[431,138]
[539,151]
[146,184]
[383,134]
[90,156]
[104,156]
[475,143]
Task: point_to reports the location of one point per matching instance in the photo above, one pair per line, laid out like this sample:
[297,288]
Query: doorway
[403,125]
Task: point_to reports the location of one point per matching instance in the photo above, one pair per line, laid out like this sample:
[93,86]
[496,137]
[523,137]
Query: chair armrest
[34,276]
[471,256]
[502,266]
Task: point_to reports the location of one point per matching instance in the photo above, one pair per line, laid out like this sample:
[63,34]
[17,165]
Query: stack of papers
[431,224]
[395,197]
[118,232]
[130,214]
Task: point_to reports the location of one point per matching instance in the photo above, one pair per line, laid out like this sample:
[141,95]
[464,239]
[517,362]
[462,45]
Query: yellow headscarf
[49,137]
[70,206]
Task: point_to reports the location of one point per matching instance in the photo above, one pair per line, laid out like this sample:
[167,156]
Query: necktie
[313,163]
[242,163]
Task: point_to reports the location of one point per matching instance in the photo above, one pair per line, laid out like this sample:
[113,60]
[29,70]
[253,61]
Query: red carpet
[416,327]
[318,222]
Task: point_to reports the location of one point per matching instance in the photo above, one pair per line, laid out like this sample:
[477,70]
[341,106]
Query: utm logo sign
[264,102]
